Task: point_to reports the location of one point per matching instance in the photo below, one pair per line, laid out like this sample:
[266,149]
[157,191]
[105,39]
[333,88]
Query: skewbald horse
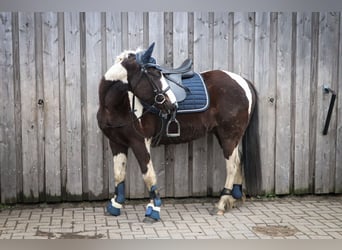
[133,85]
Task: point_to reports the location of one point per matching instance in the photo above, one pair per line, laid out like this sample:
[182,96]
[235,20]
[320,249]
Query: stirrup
[169,133]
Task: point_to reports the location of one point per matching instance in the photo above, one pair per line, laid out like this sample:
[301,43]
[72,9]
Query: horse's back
[229,91]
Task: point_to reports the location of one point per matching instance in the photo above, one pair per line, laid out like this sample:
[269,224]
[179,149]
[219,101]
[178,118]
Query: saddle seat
[175,76]
[184,68]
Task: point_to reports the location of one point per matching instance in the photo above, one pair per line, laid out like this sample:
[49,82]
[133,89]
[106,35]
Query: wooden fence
[51,148]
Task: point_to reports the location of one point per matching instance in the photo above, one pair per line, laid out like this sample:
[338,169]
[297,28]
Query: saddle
[189,90]
[175,76]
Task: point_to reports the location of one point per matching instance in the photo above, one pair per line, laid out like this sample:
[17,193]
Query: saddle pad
[198,99]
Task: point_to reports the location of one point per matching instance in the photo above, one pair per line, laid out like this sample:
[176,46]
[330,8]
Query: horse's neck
[117,94]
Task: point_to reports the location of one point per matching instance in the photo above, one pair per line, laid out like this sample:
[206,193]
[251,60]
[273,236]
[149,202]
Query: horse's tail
[251,150]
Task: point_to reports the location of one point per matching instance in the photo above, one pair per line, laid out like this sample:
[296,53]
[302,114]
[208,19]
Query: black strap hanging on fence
[331,106]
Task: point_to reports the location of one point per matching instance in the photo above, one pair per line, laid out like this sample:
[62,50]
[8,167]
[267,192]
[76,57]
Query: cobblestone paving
[308,217]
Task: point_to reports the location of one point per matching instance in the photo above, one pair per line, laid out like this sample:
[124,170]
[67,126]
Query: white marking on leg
[120,162]
[169,93]
[149,177]
[233,166]
[244,85]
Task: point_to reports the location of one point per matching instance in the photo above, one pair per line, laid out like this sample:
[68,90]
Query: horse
[134,101]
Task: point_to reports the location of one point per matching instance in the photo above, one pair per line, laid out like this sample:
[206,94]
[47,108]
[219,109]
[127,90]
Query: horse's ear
[145,58]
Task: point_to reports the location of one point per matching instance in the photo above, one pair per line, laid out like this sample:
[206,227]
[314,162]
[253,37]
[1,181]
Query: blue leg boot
[237,191]
[153,208]
[115,204]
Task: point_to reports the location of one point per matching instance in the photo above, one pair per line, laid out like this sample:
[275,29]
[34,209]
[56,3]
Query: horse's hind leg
[232,191]
[120,163]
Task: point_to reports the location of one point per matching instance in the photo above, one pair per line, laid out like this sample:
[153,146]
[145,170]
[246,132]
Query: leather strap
[226,191]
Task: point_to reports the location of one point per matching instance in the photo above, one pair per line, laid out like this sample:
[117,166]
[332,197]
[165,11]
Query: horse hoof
[216,211]
[113,210]
[149,220]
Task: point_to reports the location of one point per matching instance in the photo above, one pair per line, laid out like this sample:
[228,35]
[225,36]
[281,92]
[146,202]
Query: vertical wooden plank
[156,28]
[222,54]
[313,98]
[168,61]
[244,47]
[108,187]
[113,49]
[244,44]
[94,138]
[62,103]
[338,178]
[8,164]
[283,104]
[135,40]
[327,75]
[51,107]
[264,80]
[202,49]
[302,111]
[17,105]
[73,106]
[40,108]
[28,107]
[180,53]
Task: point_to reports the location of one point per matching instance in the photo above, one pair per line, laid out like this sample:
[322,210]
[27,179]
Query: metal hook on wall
[328,90]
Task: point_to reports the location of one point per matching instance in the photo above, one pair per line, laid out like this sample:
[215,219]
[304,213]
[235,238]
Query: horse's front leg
[120,164]
[142,153]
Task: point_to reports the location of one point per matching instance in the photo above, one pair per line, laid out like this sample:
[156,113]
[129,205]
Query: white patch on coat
[138,107]
[120,163]
[149,177]
[118,72]
[233,166]
[234,176]
[244,85]
[169,92]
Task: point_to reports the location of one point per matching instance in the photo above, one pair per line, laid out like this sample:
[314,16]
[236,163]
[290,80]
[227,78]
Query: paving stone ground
[308,217]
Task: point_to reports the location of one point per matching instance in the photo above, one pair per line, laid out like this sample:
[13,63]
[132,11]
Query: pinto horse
[134,85]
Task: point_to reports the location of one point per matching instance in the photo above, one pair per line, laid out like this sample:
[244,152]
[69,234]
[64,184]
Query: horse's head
[144,79]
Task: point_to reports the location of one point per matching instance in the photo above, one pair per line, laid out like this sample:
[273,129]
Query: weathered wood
[40,109]
[73,106]
[313,98]
[51,106]
[17,105]
[54,151]
[202,61]
[283,105]
[181,155]
[168,61]
[113,49]
[94,138]
[302,111]
[135,40]
[222,54]
[338,174]
[156,27]
[327,75]
[264,80]
[8,164]
[244,44]
[28,107]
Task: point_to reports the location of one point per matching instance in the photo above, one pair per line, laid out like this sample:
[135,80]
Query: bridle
[159,93]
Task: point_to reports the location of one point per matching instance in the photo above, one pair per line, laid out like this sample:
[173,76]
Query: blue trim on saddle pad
[197,100]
